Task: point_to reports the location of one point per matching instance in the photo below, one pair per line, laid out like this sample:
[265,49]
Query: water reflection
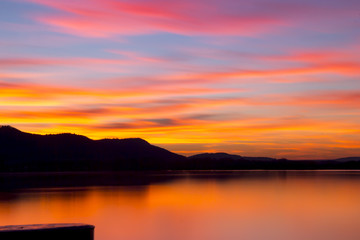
[196,205]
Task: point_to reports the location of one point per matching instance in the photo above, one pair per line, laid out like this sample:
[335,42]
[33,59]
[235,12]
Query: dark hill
[216,156]
[348,159]
[21,151]
[230,161]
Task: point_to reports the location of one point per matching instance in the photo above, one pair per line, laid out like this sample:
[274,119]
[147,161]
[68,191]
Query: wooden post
[68,231]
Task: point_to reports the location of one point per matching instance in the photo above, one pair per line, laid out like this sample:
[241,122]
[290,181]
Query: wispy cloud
[105,18]
[274,77]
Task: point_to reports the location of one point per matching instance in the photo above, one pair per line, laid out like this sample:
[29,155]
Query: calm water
[247,205]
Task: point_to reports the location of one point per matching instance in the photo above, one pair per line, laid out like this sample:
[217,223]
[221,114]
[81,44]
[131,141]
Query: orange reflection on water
[248,205]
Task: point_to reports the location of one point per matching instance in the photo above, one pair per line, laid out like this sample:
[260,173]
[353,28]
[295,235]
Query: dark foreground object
[47,232]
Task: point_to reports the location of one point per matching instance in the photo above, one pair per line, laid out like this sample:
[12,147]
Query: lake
[246,205]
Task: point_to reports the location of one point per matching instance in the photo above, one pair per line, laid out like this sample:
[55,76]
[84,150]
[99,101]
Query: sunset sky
[277,78]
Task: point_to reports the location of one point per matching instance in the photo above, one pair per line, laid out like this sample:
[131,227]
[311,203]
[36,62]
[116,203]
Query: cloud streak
[274,77]
[105,18]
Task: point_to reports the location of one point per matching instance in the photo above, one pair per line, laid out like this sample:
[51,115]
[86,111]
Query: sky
[276,78]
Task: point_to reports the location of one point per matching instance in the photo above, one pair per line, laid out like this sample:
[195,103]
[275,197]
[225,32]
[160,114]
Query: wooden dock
[63,231]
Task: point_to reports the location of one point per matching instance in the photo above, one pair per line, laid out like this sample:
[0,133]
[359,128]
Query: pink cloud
[21,75]
[321,101]
[143,58]
[106,18]
[336,98]
[269,75]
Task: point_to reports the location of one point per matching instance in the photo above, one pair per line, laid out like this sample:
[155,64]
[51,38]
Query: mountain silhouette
[20,151]
[217,156]
[26,152]
[348,159]
[225,161]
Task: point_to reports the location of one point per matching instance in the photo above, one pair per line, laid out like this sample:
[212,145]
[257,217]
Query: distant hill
[25,152]
[224,161]
[229,161]
[220,161]
[216,156]
[20,151]
[348,159]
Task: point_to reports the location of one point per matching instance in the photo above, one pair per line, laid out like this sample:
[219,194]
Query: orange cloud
[291,66]
[253,136]
[343,99]
[71,61]
[335,99]
[337,68]
[19,75]
[38,91]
